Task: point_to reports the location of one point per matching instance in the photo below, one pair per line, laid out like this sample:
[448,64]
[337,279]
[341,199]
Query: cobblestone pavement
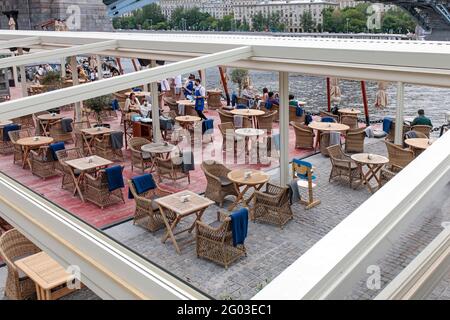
[271,250]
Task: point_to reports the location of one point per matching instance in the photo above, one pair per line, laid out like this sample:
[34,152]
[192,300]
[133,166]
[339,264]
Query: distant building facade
[290,11]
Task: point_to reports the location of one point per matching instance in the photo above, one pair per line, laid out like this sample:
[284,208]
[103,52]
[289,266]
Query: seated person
[292,101]
[272,101]
[421,119]
[132,103]
[249,95]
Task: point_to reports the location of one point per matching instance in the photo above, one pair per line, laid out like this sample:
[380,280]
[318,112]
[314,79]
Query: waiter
[189,86]
[199,96]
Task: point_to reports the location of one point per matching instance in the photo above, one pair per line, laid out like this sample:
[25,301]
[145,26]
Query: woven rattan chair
[57,133]
[25,121]
[350,120]
[398,159]
[41,164]
[215,242]
[218,185]
[272,205]
[265,122]
[139,159]
[304,136]
[293,115]
[227,130]
[104,149]
[225,116]
[6,147]
[13,246]
[354,140]
[423,129]
[324,143]
[147,213]
[391,135]
[326,114]
[16,135]
[343,166]
[96,190]
[173,105]
[171,169]
[67,182]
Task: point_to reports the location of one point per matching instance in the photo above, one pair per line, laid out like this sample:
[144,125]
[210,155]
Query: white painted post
[73,67]
[23,77]
[155,108]
[99,67]
[284,128]
[398,139]
[15,75]
[63,68]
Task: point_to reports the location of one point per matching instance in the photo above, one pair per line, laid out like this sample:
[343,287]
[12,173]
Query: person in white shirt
[165,88]
[48,68]
[178,86]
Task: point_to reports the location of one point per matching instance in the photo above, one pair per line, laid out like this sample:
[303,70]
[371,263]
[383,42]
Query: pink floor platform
[51,187]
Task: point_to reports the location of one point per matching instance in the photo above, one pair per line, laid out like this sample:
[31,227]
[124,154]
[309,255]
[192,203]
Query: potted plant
[99,105]
[51,81]
[239,76]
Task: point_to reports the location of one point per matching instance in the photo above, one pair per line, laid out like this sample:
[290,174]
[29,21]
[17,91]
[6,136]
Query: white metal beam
[398,138]
[53,99]
[57,53]
[284,127]
[20,43]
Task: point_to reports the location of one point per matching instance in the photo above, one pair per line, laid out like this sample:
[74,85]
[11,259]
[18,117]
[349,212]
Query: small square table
[47,274]
[195,205]
[93,132]
[84,165]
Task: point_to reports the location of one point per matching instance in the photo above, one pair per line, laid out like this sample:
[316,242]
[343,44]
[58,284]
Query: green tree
[226,23]
[259,22]
[238,76]
[396,20]
[307,22]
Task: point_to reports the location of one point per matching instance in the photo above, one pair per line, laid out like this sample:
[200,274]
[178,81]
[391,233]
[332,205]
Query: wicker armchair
[40,163]
[272,206]
[343,166]
[293,115]
[171,169]
[26,122]
[398,159]
[96,190]
[227,130]
[324,143]
[104,149]
[324,114]
[350,120]
[172,103]
[16,135]
[139,159]
[147,213]
[225,116]
[304,136]
[354,140]
[215,242]
[13,246]
[218,185]
[67,182]
[57,133]
[423,129]
[391,135]
[265,122]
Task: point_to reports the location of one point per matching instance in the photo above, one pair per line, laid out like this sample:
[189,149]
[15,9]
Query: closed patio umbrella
[381,100]
[335,91]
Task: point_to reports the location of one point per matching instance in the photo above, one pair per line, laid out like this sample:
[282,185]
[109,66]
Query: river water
[435,101]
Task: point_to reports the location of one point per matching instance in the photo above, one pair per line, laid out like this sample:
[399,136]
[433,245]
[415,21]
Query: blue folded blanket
[208,124]
[66,124]
[327,119]
[117,140]
[8,128]
[308,119]
[142,184]
[114,177]
[241,106]
[387,123]
[239,226]
[298,111]
[55,147]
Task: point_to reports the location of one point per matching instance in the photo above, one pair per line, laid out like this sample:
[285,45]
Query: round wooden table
[253,113]
[328,126]
[256,180]
[139,94]
[249,132]
[186,102]
[161,150]
[32,143]
[418,145]
[374,163]
[45,120]
[351,111]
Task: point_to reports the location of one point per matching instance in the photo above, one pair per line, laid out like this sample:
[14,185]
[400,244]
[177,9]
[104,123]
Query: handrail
[333,266]
[107,267]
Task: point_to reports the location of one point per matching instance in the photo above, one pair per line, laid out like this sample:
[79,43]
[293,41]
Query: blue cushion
[142,184]
[327,119]
[239,225]
[114,177]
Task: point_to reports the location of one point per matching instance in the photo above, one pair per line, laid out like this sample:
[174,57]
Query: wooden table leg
[77,182]
[240,197]
[88,144]
[26,152]
[169,229]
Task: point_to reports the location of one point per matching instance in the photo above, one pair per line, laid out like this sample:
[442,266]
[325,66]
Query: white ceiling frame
[28,105]
[20,43]
[57,53]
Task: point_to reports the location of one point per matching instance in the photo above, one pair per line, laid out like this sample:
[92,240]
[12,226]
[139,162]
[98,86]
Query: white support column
[15,75]
[284,127]
[63,68]
[99,67]
[155,108]
[23,76]
[73,67]
[399,115]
